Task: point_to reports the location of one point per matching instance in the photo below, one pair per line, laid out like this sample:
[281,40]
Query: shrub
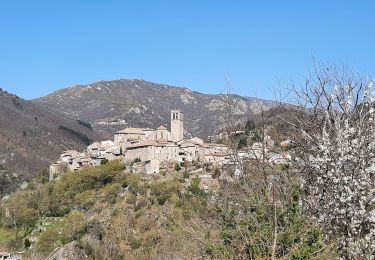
[72,227]
[163,190]
[133,181]
[23,207]
[131,199]
[27,243]
[85,199]
[195,186]
[47,241]
[104,161]
[285,167]
[109,192]
[217,173]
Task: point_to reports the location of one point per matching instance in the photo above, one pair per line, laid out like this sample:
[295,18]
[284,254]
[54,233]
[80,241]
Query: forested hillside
[31,136]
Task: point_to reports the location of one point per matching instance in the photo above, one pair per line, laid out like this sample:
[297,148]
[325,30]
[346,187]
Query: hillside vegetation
[32,137]
[104,213]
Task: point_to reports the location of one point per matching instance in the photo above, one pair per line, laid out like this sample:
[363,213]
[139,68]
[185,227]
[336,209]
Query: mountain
[113,105]
[32,136]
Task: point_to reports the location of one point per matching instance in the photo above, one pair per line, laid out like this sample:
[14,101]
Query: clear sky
[48,45]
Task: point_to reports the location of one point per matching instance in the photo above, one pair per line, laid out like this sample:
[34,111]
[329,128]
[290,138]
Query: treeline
[84,138]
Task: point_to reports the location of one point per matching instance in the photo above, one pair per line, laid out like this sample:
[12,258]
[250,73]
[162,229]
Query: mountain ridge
[110,105]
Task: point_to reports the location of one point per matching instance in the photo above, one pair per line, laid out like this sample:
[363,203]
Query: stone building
[145,147]
[162,150]
[152,166]
[177,125]
[95,154]
[132,135]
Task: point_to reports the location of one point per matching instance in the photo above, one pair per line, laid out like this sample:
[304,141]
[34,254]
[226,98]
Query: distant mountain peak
[110,105]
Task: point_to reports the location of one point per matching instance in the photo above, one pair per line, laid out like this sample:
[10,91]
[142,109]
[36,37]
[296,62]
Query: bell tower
[177,125]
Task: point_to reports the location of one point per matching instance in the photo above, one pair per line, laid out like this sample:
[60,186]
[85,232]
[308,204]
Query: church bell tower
[177,125]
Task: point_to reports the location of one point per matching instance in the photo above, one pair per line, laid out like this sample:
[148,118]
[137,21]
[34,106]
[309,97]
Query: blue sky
[48,45]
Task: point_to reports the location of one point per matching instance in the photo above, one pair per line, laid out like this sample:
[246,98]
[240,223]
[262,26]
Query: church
[146,146]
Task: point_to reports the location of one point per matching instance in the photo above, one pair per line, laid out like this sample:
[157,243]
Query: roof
[161,140]
[132,130]
[144,144]
[107,142]
[197,140]
[133,139]
[112,150]
[157,142]
[162,128]
[188,143]
[148,129]
[94,146]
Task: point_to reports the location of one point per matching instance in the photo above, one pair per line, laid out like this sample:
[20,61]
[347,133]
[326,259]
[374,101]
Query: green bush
[85,199]
[186,175]
[131,199]
[71,228]
[104,161]
[163,190]
[23,207]
[195,186]
[27,243]
[110,192]
[133,182]
[47,241]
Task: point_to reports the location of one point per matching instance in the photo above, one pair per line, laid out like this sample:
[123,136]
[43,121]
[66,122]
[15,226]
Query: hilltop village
[152,151]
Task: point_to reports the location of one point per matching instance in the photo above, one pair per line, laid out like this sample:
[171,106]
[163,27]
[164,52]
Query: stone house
[156,149]
[98,149]
[151,146]
[217,158]
[152,166]
[132,135]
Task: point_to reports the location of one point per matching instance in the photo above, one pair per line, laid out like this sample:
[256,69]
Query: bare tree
[335,138]
[260,189]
